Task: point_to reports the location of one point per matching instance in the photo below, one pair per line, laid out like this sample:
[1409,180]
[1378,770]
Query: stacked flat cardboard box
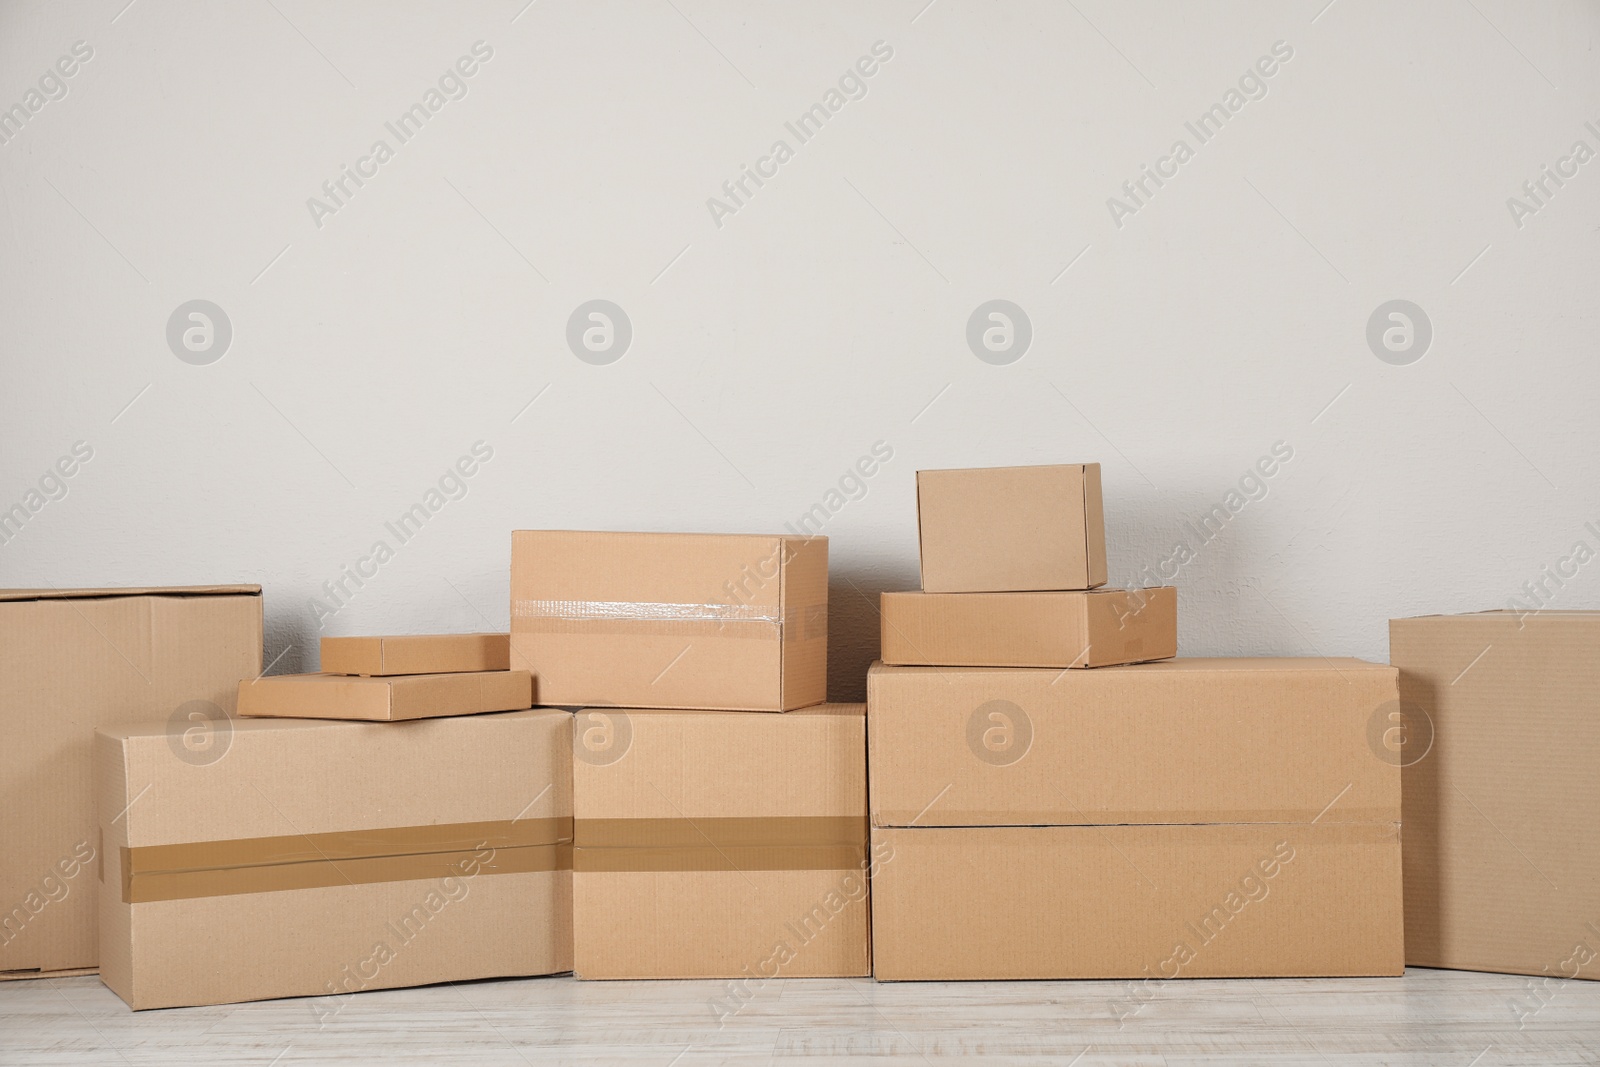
[720,805]
[308,856]
[1189,818]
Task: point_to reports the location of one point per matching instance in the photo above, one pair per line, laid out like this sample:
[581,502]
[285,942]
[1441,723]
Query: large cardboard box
[386,698]
[1011,529]
[416,654]
[721,845]
[1094,628]
[1498,735]
[694,621]
[320,859]
[72,660]
[1067,824]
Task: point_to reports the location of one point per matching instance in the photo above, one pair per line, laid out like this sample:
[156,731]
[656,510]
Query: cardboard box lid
[1068,628]
[401,696]
[286,777]
[692,765]
[665,570]
[1500,741]
[1011,529]
[132,590]
[416,654]
[1184,741]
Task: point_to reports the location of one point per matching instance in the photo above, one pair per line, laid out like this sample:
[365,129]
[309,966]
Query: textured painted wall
[1198,216]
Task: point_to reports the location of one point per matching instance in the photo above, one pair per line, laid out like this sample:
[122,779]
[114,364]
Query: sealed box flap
[720,791]
[580,575]
[699,765]
[288,786]
[1187,741]
[136,590]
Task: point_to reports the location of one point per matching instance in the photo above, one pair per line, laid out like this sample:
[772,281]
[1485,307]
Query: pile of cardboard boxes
[1041,812]
[644,780]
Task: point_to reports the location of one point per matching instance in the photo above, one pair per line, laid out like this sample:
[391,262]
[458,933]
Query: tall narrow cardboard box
[720,844]
[1498,735]
[71,661]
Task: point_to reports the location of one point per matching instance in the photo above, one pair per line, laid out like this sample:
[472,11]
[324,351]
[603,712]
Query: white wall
[826,314]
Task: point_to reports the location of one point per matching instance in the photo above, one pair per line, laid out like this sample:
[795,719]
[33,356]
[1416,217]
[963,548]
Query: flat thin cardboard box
[416,654]
[694,621]
[1093,628]
[72,660]
[1099,810]
[1011,529]
[1498,737]
[721,845]
[383,699]
[320,859]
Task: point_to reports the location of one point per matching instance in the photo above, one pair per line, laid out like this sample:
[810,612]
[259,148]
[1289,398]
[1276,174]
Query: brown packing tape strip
[774,843]
[350,857]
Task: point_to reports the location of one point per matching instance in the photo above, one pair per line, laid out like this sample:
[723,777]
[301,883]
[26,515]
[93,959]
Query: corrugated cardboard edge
[922,554]
[115,930]
[805,551]
[1094,526]
[132,590]
[69,972]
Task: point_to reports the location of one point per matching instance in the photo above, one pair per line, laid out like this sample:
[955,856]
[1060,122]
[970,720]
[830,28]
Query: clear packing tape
[660,617]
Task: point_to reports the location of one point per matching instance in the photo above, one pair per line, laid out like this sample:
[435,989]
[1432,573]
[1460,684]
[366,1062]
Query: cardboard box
[721,845]
[72,660]
[1011,529]
[1145,902]
[416,654]
[1097,628]
[693,621]
[393,697]
[326,858]
[1498,736]
[1013,808]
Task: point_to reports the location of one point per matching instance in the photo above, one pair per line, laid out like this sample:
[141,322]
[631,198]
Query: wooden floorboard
[1434,1018]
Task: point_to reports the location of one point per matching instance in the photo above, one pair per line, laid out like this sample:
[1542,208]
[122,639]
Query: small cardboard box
[320,859]
[1011,529]
[383,699]
[1498,737]
[72,660]
[694,621]
[720,844]
[1094,628]
[1036,823]
[416,654]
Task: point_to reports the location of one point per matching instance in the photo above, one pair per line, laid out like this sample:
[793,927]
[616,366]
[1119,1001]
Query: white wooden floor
[1427,1017]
